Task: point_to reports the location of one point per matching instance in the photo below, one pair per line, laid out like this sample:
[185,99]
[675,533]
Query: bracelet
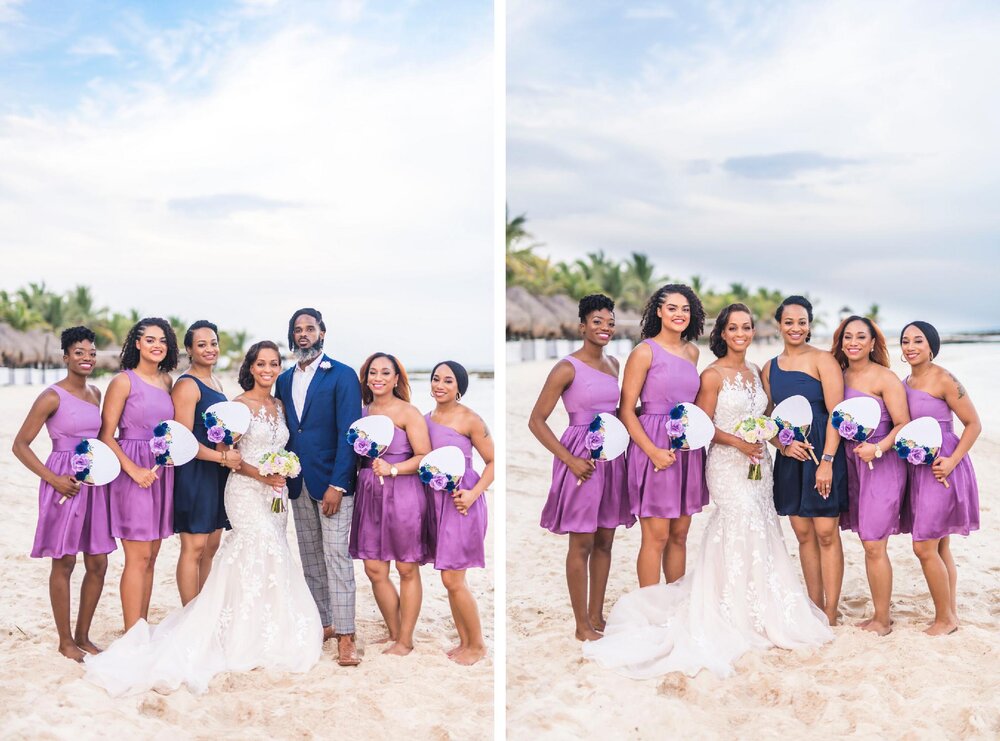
[223,461]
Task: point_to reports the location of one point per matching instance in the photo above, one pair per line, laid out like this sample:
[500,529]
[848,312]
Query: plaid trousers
[328,567]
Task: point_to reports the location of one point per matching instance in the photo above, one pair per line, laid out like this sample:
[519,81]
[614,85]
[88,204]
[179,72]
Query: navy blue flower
[426,475]
[373,450]
[161,460]
[450,486]
[228,439]
[797,433]
[595,425]
[352,436]
[210,420]
[677,412]
[861,436]
[161,429]
[83,448]
[82,475]
[677,443]
[596,454]
[902,451]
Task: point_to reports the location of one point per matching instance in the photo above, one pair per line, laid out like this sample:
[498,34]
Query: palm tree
[80,307]
[873,313]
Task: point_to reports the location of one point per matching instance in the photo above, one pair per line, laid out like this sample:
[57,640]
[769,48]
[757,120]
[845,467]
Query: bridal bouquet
[282,463]
[756,430]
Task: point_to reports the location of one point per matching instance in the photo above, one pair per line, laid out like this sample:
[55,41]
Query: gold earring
[903,358]
[458,397]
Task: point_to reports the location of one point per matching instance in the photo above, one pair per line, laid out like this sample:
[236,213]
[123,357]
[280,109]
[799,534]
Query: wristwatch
[826,458]
[393,471]
[878,452]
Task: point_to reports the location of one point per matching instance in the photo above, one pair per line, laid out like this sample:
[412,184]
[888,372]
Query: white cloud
[94,46]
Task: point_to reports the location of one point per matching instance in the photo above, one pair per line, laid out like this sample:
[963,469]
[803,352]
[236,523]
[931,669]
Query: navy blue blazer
[333,402]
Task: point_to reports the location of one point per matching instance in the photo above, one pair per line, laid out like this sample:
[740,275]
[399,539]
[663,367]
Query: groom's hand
[331,501]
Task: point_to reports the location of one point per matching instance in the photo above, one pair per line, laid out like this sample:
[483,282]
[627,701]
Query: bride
[743,593]
[255,609]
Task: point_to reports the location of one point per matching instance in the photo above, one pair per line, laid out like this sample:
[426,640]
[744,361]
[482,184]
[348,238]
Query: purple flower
[594,440]
[158,445]
[361,446]
[217,434]
[786,436]
[848,429]
[79,463]
[916,456]
[675,428]
[439,482]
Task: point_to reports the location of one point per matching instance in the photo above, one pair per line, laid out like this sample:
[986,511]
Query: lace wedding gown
[742,593]
[255,609]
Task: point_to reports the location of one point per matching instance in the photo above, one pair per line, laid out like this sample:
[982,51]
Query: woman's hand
[233,459]
[824,478]
[754,451]
[943,466]
[662,459]
[66,485]
[865,451]
[463,499]
[797,450]
[381,468]
[581,468]
[275,481]
[144,477]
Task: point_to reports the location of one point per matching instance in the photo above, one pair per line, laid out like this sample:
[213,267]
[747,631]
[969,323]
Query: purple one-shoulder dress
[602,500]
[680,489]
[137,513]
[81,523]
[876,494]
[458,539]
[931,511]
[390,520]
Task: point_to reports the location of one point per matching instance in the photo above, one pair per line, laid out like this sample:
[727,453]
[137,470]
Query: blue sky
[237,160]
[846,149]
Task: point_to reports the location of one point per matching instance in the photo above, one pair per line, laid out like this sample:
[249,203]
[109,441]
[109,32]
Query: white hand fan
[797,412]
[232,415]
[924,434]
[103,467]
[698,427]
[371,436]
[606,439]
[442,469]
[181,444]
[858,418]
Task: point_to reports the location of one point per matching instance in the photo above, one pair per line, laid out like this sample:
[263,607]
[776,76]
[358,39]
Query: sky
[847,149]
[238,160]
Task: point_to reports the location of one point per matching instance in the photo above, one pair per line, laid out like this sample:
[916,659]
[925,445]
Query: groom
[322,397]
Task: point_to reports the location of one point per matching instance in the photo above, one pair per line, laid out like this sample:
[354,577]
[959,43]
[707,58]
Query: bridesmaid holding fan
[587,381]
[932,512]
[141,500]
[665,486]
[390,519]
[199,511]
[813,496]
[459,520]
[70,410]
[876,477]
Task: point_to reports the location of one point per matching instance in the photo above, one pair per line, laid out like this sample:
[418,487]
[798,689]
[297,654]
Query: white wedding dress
[255,610]
[743,591]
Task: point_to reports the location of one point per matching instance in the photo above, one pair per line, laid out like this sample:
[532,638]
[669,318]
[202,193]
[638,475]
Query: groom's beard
[305,354]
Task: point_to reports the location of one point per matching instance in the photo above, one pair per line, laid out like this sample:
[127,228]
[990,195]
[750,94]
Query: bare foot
[599,623]
[470,655]
[385,639]
[398,649]
[451,652]
[327,633]
[942,628]
[832,619]
[88,646]
[876,626]
[71,651]
[588,634]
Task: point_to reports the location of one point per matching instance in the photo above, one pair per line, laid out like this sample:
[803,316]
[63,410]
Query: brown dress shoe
[347,650]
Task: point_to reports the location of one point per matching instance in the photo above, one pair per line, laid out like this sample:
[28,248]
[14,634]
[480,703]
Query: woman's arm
[959,402]
[114,405]
[483,443]
[44,407]
[558,380]
[708,399]
[636,370]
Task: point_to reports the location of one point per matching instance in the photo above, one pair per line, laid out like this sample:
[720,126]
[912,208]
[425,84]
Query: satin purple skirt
[459,540]
[81,524]
[875,495]
[390,521]
[931,511]
[672,492]
[137,513]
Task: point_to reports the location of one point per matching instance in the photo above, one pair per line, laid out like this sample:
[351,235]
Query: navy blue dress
[199,485]
[794,481]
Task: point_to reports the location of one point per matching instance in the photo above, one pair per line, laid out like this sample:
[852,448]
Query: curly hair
[130,353]
[594,302]
[246,377]
[716,344]
[651,323]
[402,388]
[200,324]
[879,353]
[795,301]
[71,336]
[314,313]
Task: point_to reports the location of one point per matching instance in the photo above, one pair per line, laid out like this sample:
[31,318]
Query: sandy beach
[45,697]
[906,685]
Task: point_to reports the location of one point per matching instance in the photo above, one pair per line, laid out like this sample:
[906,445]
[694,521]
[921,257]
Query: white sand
[906,685]
[42,694]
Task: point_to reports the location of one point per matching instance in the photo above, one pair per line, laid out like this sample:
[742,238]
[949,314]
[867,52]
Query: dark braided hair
[200,324]
[130,353]
[402,388]
[594,302]
[796,301]
[652,324]
[246,378]
[314,313]
[716,344]
[71,336]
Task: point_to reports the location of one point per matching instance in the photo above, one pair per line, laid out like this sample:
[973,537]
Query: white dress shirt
[300,384]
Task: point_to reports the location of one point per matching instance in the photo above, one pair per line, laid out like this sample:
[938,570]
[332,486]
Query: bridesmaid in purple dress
[141,499]
[458,521]
[876,494]
[70,410]
[390,520]
[587,381]
[665,487]
[932,512]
